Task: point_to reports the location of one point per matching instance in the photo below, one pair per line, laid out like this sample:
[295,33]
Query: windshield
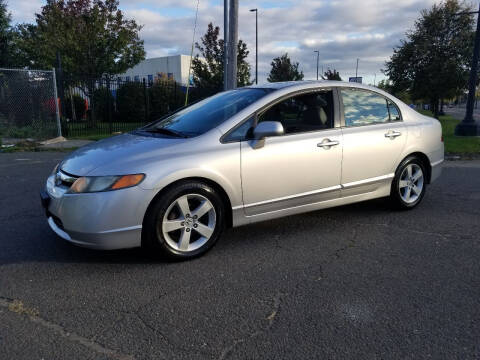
[206,114]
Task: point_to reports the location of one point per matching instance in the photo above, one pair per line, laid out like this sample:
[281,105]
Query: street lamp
[468,126]
[256,44]
[318,55]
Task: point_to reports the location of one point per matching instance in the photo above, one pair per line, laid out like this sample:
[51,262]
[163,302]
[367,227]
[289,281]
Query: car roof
[307,84]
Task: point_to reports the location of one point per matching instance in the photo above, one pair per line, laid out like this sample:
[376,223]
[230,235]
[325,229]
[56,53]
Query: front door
[299,167]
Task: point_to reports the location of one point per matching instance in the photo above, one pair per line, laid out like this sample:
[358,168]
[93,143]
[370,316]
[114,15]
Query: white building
[173,67]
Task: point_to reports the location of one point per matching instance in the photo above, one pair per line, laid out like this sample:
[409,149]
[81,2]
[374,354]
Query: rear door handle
[392,134]
[327,143]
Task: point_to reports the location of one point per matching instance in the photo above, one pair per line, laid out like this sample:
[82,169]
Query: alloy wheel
[411,183]
[189,222]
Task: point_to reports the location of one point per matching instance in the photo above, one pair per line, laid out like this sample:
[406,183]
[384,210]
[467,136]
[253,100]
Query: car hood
[119,148]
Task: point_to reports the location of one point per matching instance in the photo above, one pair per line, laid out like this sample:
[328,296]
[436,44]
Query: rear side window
[363,107]
[393,111]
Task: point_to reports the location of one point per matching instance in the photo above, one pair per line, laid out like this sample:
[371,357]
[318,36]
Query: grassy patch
[94,137]
[456,144]
[19,307]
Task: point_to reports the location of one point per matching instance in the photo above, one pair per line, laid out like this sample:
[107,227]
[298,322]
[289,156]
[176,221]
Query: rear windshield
[207,114]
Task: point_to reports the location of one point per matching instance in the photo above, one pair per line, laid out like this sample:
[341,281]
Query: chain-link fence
[28,104]
[31,106]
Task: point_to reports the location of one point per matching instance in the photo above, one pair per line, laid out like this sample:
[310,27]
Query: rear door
[373,139]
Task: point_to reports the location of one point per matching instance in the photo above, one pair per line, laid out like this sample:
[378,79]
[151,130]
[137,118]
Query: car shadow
[35,242]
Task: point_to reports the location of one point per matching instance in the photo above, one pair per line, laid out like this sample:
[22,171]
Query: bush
[102,99]
[131,102]
[164,97]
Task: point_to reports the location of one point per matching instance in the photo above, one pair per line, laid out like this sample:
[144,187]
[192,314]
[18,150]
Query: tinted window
[303,113]
[208,113]
[364,107]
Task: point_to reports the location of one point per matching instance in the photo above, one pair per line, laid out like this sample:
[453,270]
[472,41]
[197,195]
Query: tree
[93,38]
[385,85]
[433,62]
[6,36]
[331,75]
[284,70]
[207,67]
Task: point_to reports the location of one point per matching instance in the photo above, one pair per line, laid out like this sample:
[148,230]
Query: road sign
[357,79]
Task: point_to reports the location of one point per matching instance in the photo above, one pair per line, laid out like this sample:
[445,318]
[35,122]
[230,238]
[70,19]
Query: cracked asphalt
[359,281]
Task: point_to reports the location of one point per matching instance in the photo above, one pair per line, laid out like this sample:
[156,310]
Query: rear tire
[409,184]
[185,221]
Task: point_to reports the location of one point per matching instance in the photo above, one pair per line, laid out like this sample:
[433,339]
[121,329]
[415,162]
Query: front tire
[409,184]
[185,221]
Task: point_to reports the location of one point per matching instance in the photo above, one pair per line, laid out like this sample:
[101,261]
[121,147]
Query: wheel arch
[221,191]
[425,161]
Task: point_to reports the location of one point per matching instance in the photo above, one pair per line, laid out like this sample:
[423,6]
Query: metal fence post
[57,112]
[146,100]
[109,105]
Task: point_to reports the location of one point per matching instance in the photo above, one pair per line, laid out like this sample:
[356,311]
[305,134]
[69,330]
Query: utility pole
[232,45]
[356,71]
[318,56]
[256,44]
[225,44]
[468,126]
[374,78]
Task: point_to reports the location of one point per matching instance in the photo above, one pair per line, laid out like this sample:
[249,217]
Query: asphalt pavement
[355,282]
[458,112]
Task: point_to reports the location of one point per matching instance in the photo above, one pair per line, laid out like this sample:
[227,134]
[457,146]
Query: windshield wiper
[166,131]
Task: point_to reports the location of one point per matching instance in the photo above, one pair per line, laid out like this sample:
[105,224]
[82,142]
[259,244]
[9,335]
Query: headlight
[88,184]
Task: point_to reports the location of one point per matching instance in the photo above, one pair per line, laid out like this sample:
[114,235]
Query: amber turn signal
[127,181]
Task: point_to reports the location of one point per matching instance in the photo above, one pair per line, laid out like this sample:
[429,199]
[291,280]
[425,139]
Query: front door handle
[392,134]
[327,143]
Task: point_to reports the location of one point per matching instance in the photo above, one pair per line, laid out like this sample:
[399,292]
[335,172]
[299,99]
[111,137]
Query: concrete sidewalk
[49,144]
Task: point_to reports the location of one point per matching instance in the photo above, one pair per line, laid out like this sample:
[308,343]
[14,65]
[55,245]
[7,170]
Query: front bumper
[103,220]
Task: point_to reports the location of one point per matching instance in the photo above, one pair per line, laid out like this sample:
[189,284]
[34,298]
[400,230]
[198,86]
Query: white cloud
[342,30]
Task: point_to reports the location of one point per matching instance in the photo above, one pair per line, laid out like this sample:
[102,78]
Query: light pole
[225,44]
[318,55]
[356,71]
[232,44]
[256,44]
[468,126]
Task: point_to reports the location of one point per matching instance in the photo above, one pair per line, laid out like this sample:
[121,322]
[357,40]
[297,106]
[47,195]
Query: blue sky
[342,30]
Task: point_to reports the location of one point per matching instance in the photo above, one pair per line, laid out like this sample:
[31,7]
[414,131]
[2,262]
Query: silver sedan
[239,157]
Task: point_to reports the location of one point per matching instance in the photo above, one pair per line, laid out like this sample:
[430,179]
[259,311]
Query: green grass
[456,144]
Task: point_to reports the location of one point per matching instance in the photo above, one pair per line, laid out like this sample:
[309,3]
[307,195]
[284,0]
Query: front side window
[363,107]
[244,131]
[302,113]
[206,114]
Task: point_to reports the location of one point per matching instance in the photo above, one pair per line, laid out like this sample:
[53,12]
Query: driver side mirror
[265,129]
